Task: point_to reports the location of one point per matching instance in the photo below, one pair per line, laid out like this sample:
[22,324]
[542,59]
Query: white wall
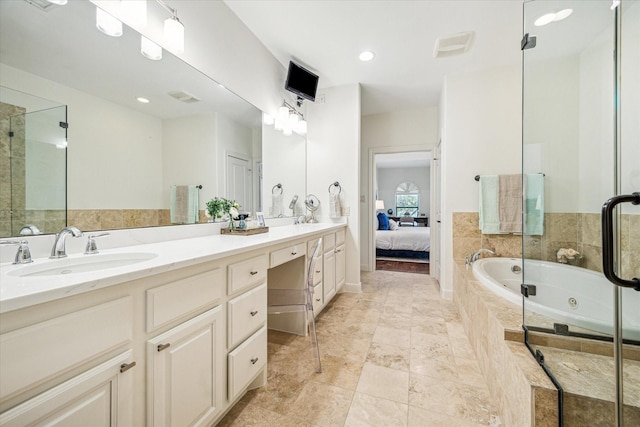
[389,179]
[182,137]
[401,131]
[96,146]
[481,134]
[284,162]
[333,154]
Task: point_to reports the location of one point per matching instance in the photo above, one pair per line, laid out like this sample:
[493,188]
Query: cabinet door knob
[126,366]
[318,299]
[318,271]
[254,360]
[338,250]
[254,312]
[294,253]
[163,346]
[253,273]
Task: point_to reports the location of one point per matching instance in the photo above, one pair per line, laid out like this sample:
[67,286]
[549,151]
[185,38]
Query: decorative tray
[244,231]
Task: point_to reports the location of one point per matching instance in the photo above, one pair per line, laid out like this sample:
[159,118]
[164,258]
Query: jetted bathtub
[565,294]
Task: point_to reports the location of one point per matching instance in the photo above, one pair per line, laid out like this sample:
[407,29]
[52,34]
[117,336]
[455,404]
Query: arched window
[407,199]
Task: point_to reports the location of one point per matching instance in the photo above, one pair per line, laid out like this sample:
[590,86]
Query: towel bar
[273,189]
[335,184]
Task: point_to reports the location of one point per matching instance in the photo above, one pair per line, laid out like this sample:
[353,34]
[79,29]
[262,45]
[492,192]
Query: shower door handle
[607,240]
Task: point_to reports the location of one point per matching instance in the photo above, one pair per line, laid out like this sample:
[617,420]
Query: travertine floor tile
[394,355]
[385,383]
[369,411]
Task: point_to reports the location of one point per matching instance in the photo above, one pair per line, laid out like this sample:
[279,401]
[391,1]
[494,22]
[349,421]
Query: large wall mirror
[123,156]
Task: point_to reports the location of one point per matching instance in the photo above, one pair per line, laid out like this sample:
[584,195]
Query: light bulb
[149,49]
[302,127]
[283,114]
[174,34]
[287,130]
[267,119]
[108,24]
[278,125]
[293,120]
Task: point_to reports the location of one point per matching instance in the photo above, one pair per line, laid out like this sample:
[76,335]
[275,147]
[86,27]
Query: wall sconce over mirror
[288,120]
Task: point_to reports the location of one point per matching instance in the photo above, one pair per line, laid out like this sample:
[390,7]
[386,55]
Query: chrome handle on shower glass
[608,240]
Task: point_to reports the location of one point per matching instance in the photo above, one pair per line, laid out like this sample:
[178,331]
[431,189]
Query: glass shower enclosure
[581,132]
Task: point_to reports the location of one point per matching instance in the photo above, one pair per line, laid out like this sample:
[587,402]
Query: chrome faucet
[30,230]
[474,256]
[59,250]
[300,219]
[23,255]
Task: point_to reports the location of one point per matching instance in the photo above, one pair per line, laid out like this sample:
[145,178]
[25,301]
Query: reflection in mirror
[32,161]
[284,174]
[123,156]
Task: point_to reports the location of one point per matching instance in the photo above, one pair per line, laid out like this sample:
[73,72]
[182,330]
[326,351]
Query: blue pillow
[383,220]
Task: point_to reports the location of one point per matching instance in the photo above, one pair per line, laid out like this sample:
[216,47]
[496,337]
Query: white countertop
[19,292]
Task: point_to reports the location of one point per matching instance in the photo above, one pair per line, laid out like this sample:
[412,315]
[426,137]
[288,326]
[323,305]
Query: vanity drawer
[247,273]
[246,361]
[247,313]
[171,301]
[329,241]
[340,236]
[39,352]
[287,254]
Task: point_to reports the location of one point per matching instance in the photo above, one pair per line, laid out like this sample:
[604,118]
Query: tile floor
[394,355]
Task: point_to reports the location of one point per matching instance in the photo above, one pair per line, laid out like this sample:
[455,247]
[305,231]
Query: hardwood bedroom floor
[394,355]
[402,266]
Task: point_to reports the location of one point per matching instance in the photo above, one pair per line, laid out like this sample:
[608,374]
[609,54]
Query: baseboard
[446,294]
[355,288]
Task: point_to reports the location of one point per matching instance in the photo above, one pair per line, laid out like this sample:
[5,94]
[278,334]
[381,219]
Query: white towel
[184,204]
[335,210]
[277,209]
[489,220]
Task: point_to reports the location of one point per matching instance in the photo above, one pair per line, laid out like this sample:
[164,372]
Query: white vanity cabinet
[185,372]
[174,344]
[341,260]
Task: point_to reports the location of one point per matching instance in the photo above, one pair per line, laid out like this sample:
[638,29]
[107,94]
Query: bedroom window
[407,199]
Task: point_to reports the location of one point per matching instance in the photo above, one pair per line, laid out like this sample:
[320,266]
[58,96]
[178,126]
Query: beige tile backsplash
[580,231]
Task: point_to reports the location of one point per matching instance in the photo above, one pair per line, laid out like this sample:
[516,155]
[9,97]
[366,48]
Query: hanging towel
[335,209]
[184,204]
[277,209]
[510,203]
[489,221]
[534,204]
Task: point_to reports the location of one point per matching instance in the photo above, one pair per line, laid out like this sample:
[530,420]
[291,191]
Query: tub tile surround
[580,231]
[525,394]
[375,369]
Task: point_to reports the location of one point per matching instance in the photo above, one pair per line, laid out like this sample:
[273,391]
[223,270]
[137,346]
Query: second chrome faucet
[59,245]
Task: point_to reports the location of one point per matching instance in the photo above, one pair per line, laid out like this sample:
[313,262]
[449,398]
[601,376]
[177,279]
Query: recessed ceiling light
[142,100]
[553,17]
[367,55]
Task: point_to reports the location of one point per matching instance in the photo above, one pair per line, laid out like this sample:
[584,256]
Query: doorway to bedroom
[402,192]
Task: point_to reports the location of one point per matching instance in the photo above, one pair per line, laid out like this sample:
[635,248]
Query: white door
[239,182]
[434,255]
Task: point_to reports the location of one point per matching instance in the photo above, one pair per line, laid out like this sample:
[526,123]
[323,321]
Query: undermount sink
[81,264]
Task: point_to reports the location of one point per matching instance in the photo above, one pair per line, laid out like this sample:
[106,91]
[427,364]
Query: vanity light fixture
[366,56]
[173,29]
[548,18]
[108,24]
[149,49]
[288,120]
[283,114]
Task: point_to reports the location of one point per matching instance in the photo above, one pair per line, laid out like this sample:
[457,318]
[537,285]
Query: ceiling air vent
[453,45]
[42,4]
[185,97]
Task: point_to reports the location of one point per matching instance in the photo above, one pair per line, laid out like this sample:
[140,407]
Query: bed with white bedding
[406,242]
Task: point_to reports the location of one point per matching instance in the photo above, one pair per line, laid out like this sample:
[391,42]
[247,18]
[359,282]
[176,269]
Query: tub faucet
[474,256]
[59,249]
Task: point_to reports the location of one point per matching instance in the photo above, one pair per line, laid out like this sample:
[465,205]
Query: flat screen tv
[301,81]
